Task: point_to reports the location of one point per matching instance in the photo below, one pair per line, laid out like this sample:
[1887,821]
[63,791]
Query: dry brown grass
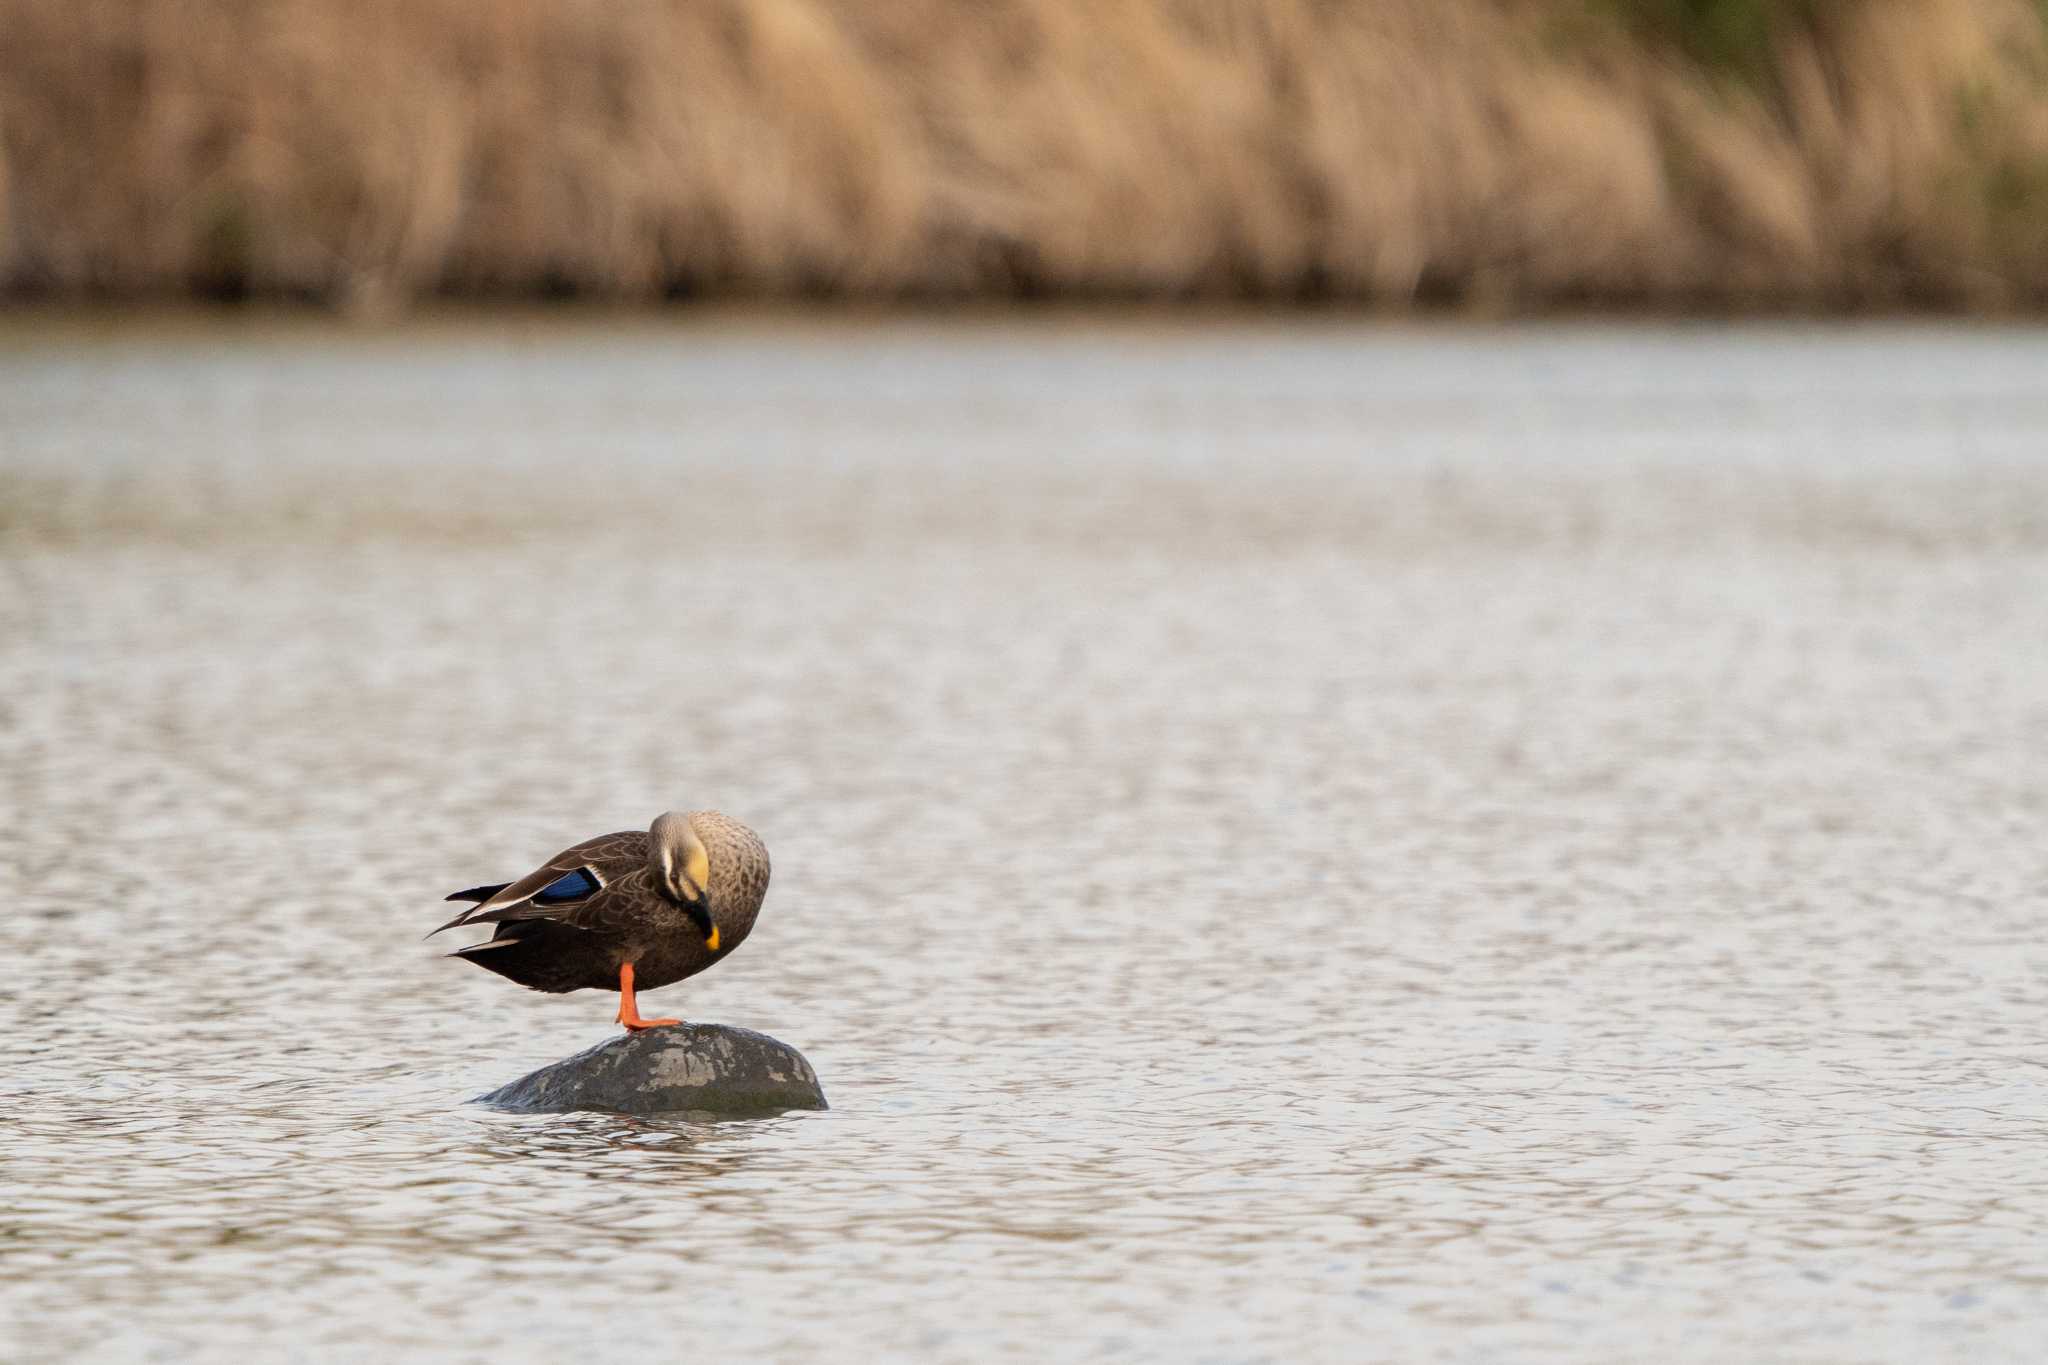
[1507,153]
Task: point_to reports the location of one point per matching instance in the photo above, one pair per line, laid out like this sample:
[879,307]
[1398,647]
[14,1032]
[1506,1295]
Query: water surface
[1291,842]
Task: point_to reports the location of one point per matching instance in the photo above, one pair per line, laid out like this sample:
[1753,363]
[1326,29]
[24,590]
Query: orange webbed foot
[629,1009]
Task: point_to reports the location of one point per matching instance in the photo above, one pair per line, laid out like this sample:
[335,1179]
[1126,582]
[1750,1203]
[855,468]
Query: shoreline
[25,324]
[1406,157]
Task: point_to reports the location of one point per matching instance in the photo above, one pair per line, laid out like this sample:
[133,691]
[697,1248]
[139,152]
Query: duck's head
[682,870]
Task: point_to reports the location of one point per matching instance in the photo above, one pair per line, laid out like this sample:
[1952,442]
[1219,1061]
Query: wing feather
[605,859]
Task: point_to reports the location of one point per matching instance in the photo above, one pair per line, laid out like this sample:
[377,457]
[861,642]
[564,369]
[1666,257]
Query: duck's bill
[700,915]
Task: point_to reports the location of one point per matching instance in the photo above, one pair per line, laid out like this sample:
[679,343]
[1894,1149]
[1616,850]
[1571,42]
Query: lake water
[1292,841]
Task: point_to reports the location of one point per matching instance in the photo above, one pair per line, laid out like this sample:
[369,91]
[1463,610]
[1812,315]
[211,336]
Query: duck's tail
[476,895]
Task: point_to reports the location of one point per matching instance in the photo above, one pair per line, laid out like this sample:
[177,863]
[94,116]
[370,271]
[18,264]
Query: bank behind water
[1720,154]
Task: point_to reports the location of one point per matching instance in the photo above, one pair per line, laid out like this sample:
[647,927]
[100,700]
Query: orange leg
[629,1012]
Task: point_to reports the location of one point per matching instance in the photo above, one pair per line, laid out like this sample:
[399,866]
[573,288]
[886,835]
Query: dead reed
[1505,154]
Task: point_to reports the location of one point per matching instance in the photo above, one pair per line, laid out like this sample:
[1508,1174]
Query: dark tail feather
[540,954]
[475,895]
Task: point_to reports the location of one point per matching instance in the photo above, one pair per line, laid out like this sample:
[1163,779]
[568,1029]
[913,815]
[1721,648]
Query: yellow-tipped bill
[712,942]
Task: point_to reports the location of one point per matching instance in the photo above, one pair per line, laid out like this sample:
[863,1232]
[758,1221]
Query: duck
[628,911]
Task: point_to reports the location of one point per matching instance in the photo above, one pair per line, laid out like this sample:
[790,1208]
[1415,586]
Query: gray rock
[705,1067]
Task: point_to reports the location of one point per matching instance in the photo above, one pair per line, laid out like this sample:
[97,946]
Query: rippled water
[1315,842]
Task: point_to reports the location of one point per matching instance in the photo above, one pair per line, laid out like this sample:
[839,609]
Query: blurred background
[1394,656]
[1492,154]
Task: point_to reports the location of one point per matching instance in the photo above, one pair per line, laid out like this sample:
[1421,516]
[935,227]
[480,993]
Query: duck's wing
[558,885]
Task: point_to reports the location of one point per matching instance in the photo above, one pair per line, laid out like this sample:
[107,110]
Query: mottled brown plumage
[644,911]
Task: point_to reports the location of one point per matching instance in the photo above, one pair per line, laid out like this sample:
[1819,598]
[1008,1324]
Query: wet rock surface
[708,1068]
